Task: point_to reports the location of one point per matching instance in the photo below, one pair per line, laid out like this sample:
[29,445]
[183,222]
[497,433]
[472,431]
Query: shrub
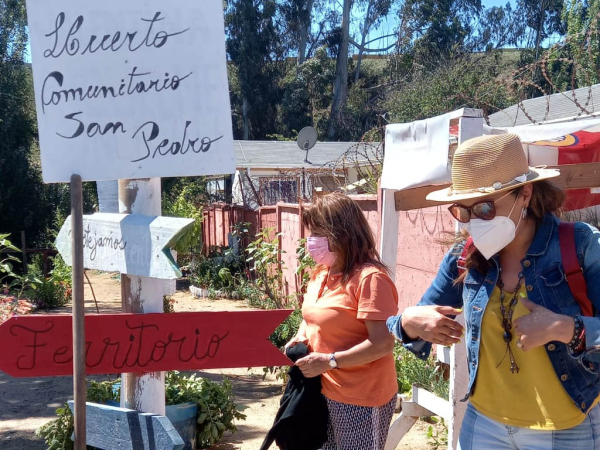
[216,409]
[413,371]
[50,293]
[168,304]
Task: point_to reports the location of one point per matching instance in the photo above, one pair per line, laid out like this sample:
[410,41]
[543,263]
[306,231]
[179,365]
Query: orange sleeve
[377,297]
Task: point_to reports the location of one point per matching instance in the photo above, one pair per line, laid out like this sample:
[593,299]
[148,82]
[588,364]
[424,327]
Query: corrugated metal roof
[287,155]
[563,105]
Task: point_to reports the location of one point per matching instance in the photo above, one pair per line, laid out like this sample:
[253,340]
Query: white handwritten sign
[131,244]
[130,88]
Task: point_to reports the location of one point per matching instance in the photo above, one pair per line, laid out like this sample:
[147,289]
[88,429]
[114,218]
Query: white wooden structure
[470,124]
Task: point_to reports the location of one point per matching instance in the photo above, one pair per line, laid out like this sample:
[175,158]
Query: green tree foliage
[26,204]
[20,177]
[468,81]
[582,21]
[254,46]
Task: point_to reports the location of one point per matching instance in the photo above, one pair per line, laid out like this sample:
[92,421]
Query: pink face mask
[318,247]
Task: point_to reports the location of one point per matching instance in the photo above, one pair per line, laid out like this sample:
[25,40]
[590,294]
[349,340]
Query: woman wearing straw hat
[533,357]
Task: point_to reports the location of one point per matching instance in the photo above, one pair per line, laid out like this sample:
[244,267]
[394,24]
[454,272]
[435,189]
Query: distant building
[582,103]
[268,172]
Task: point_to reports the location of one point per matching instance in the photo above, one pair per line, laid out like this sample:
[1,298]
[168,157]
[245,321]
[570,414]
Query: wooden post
[142,391]
[469,128]
[78,312]
[388,237]
[24,251]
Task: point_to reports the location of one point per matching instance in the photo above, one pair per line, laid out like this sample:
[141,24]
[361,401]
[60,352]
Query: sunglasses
[484,210]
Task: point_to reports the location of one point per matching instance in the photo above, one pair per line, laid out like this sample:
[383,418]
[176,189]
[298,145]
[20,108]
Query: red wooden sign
[37,346]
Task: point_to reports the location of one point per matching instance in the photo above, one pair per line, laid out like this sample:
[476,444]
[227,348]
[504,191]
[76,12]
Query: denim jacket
[546,285]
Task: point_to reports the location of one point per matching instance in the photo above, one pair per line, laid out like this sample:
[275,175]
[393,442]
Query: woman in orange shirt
[348,299]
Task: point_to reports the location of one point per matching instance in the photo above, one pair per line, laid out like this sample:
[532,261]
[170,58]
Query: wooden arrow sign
[38,346]
[130,244]
[112,428]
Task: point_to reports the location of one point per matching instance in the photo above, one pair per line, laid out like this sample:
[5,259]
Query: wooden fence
[284,218]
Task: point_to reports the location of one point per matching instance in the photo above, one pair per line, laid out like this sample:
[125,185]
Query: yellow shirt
[533,398]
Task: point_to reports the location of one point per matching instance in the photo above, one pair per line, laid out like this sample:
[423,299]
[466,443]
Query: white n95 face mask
[491,236]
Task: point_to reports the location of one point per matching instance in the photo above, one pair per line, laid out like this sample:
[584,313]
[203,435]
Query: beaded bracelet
[577,344]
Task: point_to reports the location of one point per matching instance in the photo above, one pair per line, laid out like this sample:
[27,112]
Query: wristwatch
[332,361]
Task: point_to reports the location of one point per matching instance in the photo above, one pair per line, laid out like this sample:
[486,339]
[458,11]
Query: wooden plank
[131,244]
[398,430]
[413,409]
[112,428]
[443,354]
[572,176]
[578,176]
[24,251]
[388,239]
[39,345]
[459,384]
[438,406]
[78,330]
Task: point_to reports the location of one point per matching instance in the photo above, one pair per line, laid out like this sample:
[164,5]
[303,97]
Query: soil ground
[28,403]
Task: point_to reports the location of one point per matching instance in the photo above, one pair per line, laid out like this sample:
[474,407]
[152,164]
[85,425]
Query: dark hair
[546,198]
[339,218]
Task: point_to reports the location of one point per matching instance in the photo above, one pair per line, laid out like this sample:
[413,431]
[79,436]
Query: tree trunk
[365,31]
[246,121]
[538,36]
[340,86]
[306,20]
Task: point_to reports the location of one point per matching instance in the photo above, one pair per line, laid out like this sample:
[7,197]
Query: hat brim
[447,195]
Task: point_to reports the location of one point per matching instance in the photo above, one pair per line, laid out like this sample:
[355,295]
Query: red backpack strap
[462,259]
[573,271]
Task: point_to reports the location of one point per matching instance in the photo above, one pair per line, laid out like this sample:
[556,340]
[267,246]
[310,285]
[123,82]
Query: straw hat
[489,164]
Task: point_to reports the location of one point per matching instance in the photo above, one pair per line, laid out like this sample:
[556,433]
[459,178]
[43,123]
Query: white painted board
[130,89]
[416,153]
[132,244]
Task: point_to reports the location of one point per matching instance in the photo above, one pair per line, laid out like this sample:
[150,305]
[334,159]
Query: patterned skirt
[354,427]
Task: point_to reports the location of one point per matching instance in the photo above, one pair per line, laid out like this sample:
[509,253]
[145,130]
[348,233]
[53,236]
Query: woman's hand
[298,339]
[431,324]
[314,364]
[542,326]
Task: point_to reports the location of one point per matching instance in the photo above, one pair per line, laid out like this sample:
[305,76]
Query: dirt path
[28,403]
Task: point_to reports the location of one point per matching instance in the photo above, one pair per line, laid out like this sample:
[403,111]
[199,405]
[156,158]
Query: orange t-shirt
[335,322]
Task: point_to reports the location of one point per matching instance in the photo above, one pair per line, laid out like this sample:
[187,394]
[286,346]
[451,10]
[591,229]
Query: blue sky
[389,25]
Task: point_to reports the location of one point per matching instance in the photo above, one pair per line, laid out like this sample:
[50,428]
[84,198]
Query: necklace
[507,315]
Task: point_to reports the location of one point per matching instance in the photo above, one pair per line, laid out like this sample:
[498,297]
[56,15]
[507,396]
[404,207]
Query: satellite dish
[307,138]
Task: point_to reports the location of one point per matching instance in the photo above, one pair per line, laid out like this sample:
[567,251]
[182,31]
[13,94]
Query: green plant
[18,282]
[287,330]
[57,433]
[60,270]
[436,438]
[186,205]
[264,253]
[168,304]
[50,293]
[217,410]
[413,371]
[305,264]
